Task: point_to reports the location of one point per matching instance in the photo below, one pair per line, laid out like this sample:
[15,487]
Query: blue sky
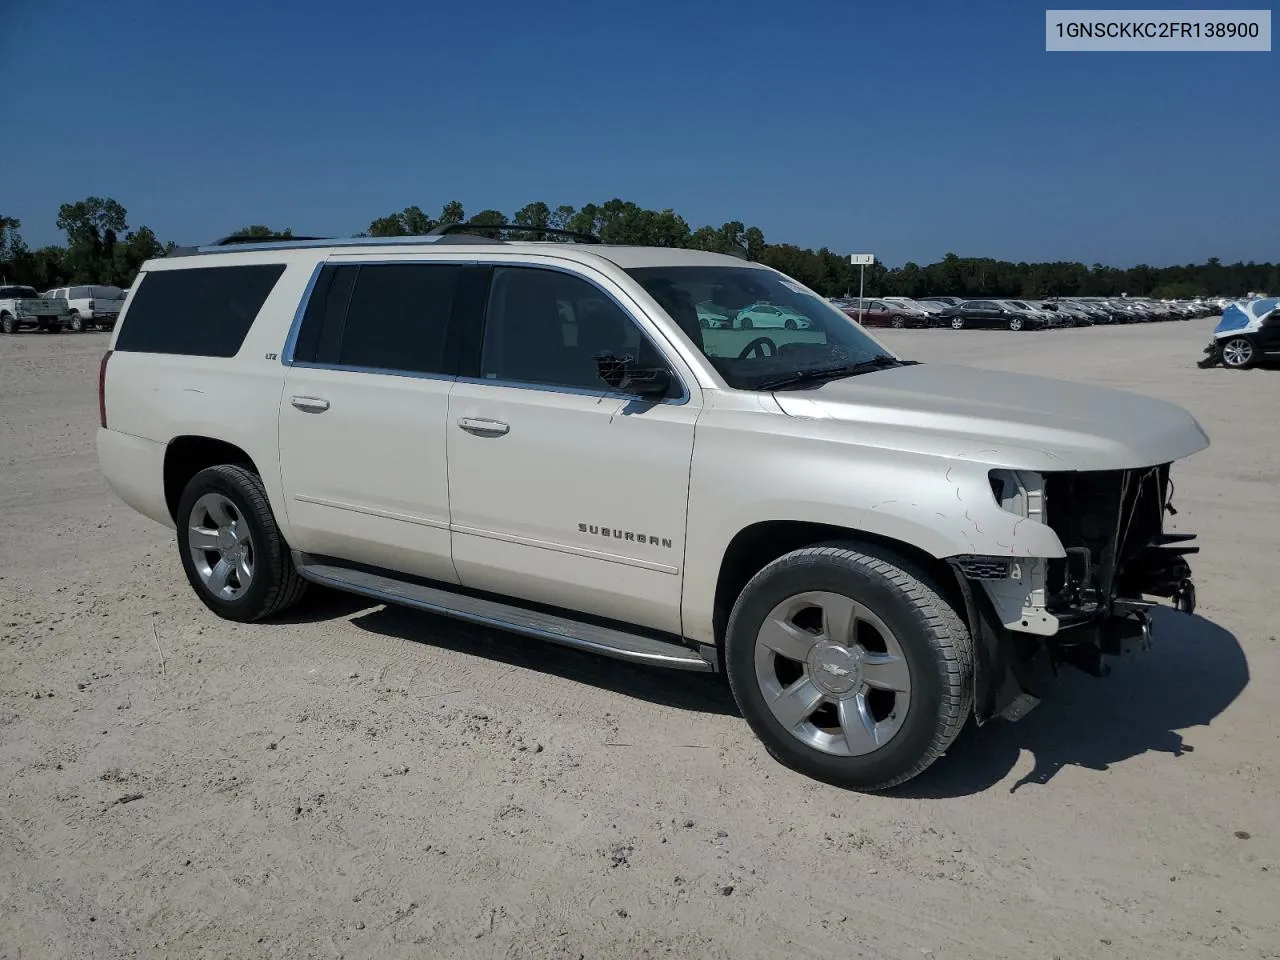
[906,129]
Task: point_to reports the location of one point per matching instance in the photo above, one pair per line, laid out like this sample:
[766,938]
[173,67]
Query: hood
[1006,419]
[1246,317]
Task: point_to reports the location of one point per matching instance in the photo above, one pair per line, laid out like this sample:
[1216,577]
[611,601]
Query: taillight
[102,389]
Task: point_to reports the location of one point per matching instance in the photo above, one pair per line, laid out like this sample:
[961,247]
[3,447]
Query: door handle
[483,428]
[310,404]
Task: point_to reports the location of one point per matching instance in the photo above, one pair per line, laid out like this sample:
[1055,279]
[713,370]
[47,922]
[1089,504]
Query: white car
[542,437]
[770,315]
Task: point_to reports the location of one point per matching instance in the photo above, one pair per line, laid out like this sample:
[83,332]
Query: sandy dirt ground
[357,781]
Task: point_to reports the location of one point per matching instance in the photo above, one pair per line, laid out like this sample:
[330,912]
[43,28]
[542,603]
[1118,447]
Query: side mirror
[621,376]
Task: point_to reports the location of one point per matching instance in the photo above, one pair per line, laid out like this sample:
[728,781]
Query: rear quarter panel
[159,397]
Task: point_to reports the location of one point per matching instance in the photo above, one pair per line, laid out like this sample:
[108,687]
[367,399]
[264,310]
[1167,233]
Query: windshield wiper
[801,377]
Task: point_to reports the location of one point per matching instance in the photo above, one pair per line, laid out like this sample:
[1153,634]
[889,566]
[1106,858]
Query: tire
[1238,353]
[790,324]
[273,584]
[8,324]
[897,323]
[745,323]
[914,629]
[957,323]
[1015,323]
[77,323]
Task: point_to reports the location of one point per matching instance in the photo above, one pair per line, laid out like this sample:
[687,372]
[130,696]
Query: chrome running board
[566,631]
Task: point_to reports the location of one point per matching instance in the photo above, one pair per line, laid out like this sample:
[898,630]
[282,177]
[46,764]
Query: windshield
[776,328]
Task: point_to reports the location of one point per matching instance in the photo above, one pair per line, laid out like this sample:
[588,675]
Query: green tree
[488,218]
[409,222]
[260,231]
[536,214]
[92,226]
[13,250]
[452,212]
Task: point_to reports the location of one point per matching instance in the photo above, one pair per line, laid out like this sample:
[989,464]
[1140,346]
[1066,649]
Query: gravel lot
[360,781]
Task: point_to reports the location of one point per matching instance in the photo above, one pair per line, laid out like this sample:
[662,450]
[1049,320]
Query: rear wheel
[1015,323]
[897,323]
[849,665]
[231,548]
[745,323]
[957,323]
[77,323]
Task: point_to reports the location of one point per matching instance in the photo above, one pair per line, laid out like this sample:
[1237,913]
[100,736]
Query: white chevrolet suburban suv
[542,437]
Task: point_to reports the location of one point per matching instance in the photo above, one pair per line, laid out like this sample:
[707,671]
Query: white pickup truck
[93,305]
[22,307]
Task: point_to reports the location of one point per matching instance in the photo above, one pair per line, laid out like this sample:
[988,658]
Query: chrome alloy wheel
[832,673]
[1237,352]
[221,547]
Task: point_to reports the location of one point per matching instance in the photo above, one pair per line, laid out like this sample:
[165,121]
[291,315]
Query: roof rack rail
[446,229]
[246,238]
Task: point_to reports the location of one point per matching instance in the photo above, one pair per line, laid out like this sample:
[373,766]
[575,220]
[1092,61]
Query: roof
[624,256]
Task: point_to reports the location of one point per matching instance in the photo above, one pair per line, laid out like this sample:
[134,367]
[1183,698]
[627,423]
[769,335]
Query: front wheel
[849,665]
[1238,353]
[1015,323]
[8,324]
[232,551]
[957,323]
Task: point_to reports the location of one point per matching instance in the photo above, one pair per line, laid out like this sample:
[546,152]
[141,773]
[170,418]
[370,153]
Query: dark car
[886,313]
[989,313]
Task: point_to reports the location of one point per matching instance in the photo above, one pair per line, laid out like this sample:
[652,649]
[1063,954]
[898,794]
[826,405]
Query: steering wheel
[757,346]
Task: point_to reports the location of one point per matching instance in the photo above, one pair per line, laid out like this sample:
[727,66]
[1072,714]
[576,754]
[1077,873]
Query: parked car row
[93,306]
[959,313]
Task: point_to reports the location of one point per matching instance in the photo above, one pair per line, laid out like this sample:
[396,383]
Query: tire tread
[946,631]
[287,586]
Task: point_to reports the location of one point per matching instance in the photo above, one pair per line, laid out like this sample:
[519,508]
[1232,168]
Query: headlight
[1014,491]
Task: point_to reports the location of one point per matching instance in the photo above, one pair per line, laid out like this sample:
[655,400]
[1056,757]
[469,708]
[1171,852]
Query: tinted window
[398,317]
[546,327]
[201,311]
[80,293]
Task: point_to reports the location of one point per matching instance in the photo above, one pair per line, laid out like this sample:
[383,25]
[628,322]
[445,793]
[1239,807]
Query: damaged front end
[1095,601]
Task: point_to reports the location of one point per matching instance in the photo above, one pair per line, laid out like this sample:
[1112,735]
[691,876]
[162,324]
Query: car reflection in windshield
[762,330]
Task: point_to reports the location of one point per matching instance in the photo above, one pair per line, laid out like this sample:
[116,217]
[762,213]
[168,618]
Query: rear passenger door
[363,415]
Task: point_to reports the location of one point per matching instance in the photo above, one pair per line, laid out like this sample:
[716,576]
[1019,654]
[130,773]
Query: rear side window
[382,317]
[398,317]
[202,311]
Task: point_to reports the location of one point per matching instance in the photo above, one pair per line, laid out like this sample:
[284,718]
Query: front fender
[943,507]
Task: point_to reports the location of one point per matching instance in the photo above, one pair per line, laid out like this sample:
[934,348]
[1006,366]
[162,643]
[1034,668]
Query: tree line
[101,248]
